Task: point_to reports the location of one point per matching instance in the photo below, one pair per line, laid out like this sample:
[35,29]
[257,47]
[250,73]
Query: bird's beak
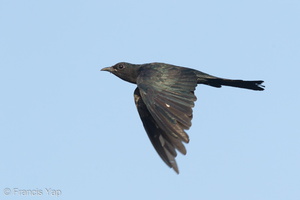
[108,69]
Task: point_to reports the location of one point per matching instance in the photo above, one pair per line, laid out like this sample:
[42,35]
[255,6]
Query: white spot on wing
[162,141]
[168,105]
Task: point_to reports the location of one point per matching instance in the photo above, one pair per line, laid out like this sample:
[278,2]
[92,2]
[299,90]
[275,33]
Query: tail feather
[218,82]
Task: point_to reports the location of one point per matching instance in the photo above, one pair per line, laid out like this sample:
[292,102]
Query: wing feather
[164,146]
[168,93]
[164,99]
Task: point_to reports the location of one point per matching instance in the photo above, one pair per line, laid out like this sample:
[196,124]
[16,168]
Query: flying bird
[164,98]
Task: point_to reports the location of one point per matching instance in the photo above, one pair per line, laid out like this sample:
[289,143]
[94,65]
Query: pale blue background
[66,125]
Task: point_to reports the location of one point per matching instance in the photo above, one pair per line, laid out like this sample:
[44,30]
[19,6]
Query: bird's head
[126,71]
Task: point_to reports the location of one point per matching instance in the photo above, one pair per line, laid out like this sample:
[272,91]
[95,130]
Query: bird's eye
[121,66]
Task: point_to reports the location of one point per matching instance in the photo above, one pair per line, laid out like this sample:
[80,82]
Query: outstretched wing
[167,94]
[163,144]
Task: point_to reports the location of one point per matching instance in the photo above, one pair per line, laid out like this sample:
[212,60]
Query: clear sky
[67,126]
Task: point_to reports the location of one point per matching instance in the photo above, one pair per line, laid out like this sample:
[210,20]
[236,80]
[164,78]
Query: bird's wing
[168,93]
[163,144]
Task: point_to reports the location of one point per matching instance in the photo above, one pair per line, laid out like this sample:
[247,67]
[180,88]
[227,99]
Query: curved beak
[108,69]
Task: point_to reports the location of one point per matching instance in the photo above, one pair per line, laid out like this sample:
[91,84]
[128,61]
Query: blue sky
[67,126]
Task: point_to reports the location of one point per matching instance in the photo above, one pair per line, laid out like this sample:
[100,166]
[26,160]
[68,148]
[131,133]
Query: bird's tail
[218,82]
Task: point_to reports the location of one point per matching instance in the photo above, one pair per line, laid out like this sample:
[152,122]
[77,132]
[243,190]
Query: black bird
[165,97]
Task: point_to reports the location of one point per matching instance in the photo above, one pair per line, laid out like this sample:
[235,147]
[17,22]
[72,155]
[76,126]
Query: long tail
[218,82]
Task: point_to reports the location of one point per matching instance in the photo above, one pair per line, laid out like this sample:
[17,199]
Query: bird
[165,97]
